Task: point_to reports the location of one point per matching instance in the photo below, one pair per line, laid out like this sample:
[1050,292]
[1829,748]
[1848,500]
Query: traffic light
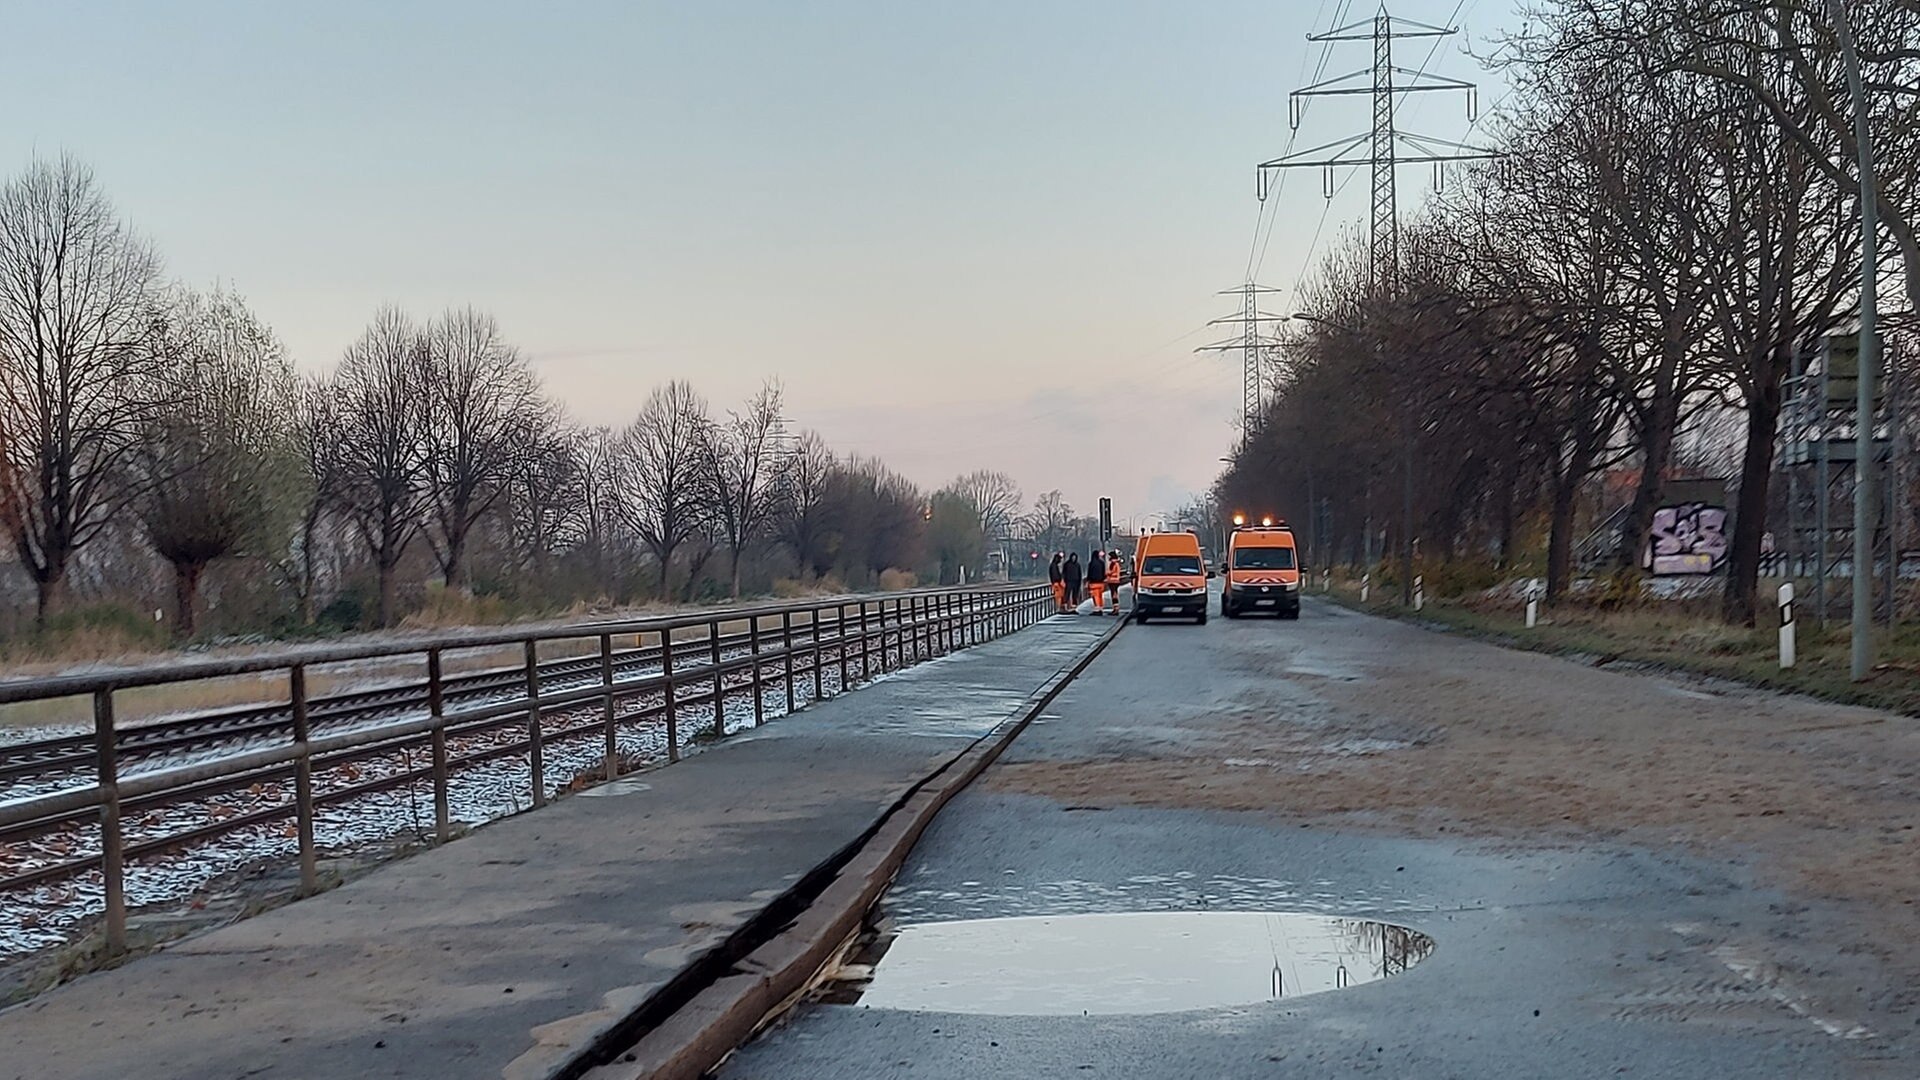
[1106,519]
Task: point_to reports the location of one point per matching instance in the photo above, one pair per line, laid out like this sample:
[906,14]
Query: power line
[1387,146]
[1254,347]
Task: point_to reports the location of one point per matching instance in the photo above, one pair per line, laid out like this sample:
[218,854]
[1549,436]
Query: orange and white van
[1169,577]
[1263,571]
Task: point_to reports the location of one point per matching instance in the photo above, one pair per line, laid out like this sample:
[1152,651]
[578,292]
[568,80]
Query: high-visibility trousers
[1095,588]
[1059,594]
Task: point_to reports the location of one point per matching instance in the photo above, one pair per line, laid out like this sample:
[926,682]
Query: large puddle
[1140,962]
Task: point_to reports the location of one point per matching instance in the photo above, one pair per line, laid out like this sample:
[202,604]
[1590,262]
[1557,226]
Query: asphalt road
[1554,957]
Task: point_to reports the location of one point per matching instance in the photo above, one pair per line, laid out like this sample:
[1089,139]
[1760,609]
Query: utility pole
[1387,148]
[1255,348]
[1863,516]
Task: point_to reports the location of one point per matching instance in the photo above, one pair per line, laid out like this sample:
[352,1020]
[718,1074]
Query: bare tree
[1051,521]
[661,472]
[382,387]
[743,456]
[210,450]
[995,495]
[546,498]
[75,388]
[307,501]
[484,414]
[598,450]
[804,475]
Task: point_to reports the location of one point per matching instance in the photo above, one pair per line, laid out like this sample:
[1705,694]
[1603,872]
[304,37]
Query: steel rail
[696,677]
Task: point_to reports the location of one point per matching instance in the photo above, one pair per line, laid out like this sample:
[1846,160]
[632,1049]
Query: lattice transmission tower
[1386,146]
[1256,346]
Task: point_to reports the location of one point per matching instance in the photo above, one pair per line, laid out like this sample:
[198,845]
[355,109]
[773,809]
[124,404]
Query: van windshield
[1171,564]
[1263,558]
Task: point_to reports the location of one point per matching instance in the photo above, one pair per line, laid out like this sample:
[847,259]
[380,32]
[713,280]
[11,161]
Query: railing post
[840,636]
[753,646]
[536,754]
[813,621]
[666,674]
[719,687]
[786,660]
[303,780]
[113,868]
[436,708]
[866,646]
[611,751]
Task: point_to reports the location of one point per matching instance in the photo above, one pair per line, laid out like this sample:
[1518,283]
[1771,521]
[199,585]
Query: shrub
[894,579]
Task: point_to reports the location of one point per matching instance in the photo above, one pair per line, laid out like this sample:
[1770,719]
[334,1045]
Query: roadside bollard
[1534,592]
[1366,586]
[1419,591]
[1326,580]
[1786,625]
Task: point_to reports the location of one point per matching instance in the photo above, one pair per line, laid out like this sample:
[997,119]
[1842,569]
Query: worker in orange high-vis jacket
[1113,582]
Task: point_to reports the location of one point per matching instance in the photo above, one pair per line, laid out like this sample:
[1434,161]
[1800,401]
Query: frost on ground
[48,915]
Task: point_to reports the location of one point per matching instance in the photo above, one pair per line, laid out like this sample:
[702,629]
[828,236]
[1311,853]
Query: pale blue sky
[973,235]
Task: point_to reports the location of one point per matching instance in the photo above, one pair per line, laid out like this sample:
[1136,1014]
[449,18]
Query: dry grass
[1686,636]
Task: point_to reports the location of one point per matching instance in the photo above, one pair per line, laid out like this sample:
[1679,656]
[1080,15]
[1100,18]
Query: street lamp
[1862,651]
[1406,469]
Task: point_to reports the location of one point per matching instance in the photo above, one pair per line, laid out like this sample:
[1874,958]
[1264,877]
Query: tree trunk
[1560,537]
[1656,453]
[186,591]
[666,564]
[389,592]
[454,566]
[736,573]
[50,595]
[1738,606]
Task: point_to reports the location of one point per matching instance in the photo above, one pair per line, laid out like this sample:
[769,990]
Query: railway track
[236,786]
[49,757]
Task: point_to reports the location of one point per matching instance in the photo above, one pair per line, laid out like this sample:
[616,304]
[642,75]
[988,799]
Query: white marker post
[1786,625]
[1366,585]
[1326,579]
[1534,593]
[1419,591]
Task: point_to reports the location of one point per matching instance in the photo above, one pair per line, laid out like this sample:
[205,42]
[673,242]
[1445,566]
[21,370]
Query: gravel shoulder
[1405,731]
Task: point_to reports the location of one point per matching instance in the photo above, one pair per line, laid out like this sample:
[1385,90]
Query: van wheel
[1202,617]
[1227,609]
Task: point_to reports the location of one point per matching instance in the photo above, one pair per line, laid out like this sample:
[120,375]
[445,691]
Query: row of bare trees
[144,423]
[1625,291]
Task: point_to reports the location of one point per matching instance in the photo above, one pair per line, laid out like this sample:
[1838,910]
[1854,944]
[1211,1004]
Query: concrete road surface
[502,953]
[1592,853]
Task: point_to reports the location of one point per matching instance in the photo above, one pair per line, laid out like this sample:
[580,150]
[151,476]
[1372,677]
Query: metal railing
[701,662]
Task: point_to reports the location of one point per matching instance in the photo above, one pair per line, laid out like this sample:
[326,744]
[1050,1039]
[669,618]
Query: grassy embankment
[1683,636]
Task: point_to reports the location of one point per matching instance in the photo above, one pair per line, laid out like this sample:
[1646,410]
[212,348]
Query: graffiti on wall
[1690,538]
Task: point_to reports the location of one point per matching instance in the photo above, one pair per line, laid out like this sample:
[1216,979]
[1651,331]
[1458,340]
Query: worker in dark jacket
[1070,573]
[1096,578]
[1057,579]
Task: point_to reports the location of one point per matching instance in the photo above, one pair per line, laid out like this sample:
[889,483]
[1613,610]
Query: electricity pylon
[1387,146]
[1255,348]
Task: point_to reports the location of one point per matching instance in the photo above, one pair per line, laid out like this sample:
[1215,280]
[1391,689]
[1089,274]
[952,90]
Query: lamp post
[1406,471]
[1863,516]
